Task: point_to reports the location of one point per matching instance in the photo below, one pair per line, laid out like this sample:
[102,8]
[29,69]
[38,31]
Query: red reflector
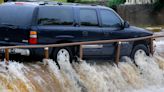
[33,40]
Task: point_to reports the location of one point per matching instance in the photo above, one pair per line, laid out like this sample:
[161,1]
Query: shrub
[158,5]
[112,3]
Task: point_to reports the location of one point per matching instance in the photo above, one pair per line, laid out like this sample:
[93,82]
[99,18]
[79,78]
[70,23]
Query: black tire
[139,47]
[56,51]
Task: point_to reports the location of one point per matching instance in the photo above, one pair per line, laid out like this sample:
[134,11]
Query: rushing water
[85,77]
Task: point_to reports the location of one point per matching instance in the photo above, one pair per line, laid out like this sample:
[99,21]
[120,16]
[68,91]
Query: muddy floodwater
[86,77]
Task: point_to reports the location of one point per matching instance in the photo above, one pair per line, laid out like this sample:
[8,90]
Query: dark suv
[26,23]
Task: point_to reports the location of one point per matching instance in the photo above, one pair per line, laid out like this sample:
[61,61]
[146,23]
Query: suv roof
[45,3]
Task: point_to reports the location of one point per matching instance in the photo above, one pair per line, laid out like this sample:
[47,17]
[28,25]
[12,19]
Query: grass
[143,26]
[152,28]
[60,0]
[1,1]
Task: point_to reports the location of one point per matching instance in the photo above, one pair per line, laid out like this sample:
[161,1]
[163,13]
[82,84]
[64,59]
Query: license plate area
[12,51]
[25,52]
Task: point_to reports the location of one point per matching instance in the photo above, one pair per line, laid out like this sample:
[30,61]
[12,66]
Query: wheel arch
[143,42]
[73,48]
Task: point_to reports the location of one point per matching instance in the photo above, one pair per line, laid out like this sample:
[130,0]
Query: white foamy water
[86,77]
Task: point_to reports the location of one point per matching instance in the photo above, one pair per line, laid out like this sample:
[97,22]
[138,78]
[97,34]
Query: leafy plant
[71,1]
[115,2]
[158,5]
[1,1]
[60,0]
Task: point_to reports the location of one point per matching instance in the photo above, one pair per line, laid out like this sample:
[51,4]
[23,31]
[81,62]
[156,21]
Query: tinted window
[88,17]
[109,19]
[55,15]
[16,15]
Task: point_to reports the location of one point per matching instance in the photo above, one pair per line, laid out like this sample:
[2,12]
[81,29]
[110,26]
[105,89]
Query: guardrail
[118,47]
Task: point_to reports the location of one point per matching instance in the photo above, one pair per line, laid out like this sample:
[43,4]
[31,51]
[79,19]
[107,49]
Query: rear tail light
[33,37]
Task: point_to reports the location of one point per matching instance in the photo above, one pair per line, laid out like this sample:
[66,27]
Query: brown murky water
[84,77]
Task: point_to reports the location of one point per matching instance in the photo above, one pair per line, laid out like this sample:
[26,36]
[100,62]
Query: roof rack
[59,3]
[43,3]
[50,3]
[93,5]
[56,3]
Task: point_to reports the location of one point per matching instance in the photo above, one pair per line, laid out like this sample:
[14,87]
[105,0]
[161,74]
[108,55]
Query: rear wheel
[62,54]
[139,50]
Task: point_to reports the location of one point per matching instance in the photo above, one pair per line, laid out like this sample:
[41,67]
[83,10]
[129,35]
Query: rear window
[57,15]
[16,15]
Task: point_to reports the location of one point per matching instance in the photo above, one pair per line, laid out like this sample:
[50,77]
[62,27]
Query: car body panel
[50,34]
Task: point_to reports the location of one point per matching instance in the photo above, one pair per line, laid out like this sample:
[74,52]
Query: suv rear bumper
[24,52]
[37,53]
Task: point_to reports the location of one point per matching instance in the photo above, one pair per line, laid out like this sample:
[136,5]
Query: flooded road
[86,77]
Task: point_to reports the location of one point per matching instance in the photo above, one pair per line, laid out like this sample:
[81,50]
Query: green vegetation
[82,1]
[152,28]
[115,2]
[158,5]
[1,1]
[109,3]
[61,0]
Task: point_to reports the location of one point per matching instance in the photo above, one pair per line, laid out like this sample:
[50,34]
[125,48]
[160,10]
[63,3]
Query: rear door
[56,23]
[90,31]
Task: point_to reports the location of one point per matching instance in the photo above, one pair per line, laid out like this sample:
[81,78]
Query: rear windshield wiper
[8,25]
